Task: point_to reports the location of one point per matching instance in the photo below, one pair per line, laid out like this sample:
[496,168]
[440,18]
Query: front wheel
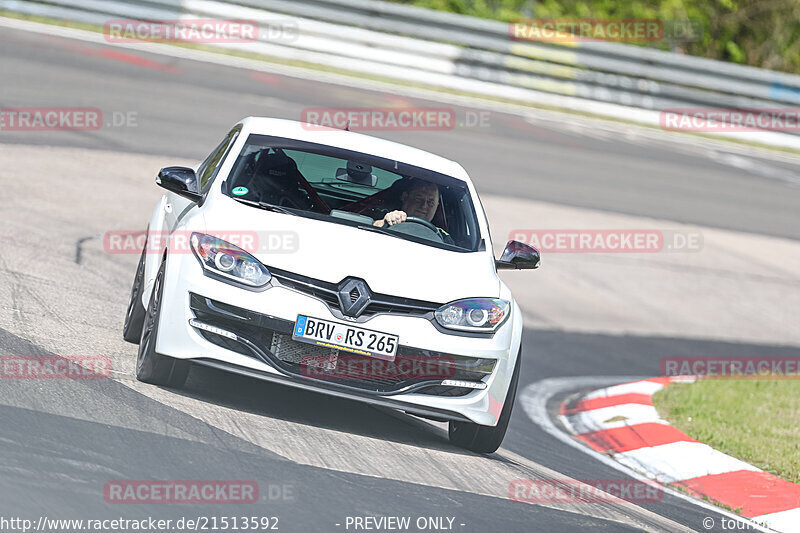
[487,439]
[134,316]
[152,367]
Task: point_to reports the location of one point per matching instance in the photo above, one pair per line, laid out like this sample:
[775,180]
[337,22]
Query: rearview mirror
[358,173]
[181,181]
[518,256]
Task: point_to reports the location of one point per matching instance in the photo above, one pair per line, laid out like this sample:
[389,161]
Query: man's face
[421,201]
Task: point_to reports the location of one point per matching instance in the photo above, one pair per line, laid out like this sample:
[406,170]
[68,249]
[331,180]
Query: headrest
[276,164]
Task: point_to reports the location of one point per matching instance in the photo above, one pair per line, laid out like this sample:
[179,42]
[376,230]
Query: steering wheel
[423,222]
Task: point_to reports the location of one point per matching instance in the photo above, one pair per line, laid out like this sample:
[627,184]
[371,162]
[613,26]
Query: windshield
[346,187]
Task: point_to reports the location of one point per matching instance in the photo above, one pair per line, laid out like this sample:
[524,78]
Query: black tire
[152,367]
[487,439]
[134,316]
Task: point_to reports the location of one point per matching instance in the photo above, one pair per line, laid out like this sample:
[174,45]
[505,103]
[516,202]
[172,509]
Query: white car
[334,262]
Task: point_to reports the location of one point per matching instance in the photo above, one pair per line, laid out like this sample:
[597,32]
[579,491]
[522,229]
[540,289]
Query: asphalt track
[60,293]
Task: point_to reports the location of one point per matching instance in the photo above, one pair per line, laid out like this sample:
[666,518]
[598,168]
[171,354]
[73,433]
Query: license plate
[345,337]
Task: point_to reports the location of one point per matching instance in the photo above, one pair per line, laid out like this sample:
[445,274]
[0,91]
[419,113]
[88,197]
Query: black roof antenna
[347,127]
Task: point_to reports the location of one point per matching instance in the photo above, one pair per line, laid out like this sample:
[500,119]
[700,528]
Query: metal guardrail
[461,53]
[626,69]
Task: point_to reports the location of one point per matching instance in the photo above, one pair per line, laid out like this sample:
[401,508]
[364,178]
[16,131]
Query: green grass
[757,421]
[739,31]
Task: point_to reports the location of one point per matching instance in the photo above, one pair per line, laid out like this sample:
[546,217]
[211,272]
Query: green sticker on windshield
[240,191]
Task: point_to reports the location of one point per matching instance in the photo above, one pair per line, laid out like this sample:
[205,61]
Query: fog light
[213,329]
[465,384]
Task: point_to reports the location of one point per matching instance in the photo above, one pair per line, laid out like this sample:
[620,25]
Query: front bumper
[254,320]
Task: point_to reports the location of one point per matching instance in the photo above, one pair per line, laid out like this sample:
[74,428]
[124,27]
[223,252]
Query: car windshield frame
[377,162]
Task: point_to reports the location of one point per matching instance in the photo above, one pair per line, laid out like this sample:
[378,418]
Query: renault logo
[354,296]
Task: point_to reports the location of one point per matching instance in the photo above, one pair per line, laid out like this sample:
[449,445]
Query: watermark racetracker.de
[732,367]
[135,241]
[607,241]
[406,368]
[54,367]
[584,491]
[710,120]
[570,30]
[174,492]
[207,31]
[150,524]
[40,119]
[391,118]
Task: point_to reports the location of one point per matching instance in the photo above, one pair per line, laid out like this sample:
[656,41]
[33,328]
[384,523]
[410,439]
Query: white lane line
[681,460]
[580,423]
[534,398]
[756,167]
[612,417]
[781,521]
[714,149]
[635,387]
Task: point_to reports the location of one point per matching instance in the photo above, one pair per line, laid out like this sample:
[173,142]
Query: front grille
[328,293]
[293,352]
[368,373]
[321,293]
[270,339]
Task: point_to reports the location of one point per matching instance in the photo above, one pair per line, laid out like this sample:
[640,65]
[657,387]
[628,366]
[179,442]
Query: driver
[420,199]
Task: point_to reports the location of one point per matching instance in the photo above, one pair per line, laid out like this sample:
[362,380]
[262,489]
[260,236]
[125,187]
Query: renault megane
[335,262]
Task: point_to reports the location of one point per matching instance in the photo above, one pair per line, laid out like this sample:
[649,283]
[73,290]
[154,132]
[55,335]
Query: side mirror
[518,256]
[181,181]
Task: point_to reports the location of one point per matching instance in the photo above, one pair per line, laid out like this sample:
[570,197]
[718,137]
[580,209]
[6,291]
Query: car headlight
[222,258]
[475,314]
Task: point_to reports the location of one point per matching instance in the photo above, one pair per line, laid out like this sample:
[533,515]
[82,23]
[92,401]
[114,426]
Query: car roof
[356,142]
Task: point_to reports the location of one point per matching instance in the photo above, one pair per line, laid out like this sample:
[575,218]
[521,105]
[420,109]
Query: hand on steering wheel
[394,217]
[423,222]
[398,217]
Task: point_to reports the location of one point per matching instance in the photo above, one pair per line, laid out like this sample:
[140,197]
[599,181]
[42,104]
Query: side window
[208,170]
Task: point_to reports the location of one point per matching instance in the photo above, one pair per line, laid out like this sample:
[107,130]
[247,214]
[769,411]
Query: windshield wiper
[266,206]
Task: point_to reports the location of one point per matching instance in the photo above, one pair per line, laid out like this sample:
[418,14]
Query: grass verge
[757,421]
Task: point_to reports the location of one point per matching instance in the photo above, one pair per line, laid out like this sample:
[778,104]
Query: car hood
[332,252]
